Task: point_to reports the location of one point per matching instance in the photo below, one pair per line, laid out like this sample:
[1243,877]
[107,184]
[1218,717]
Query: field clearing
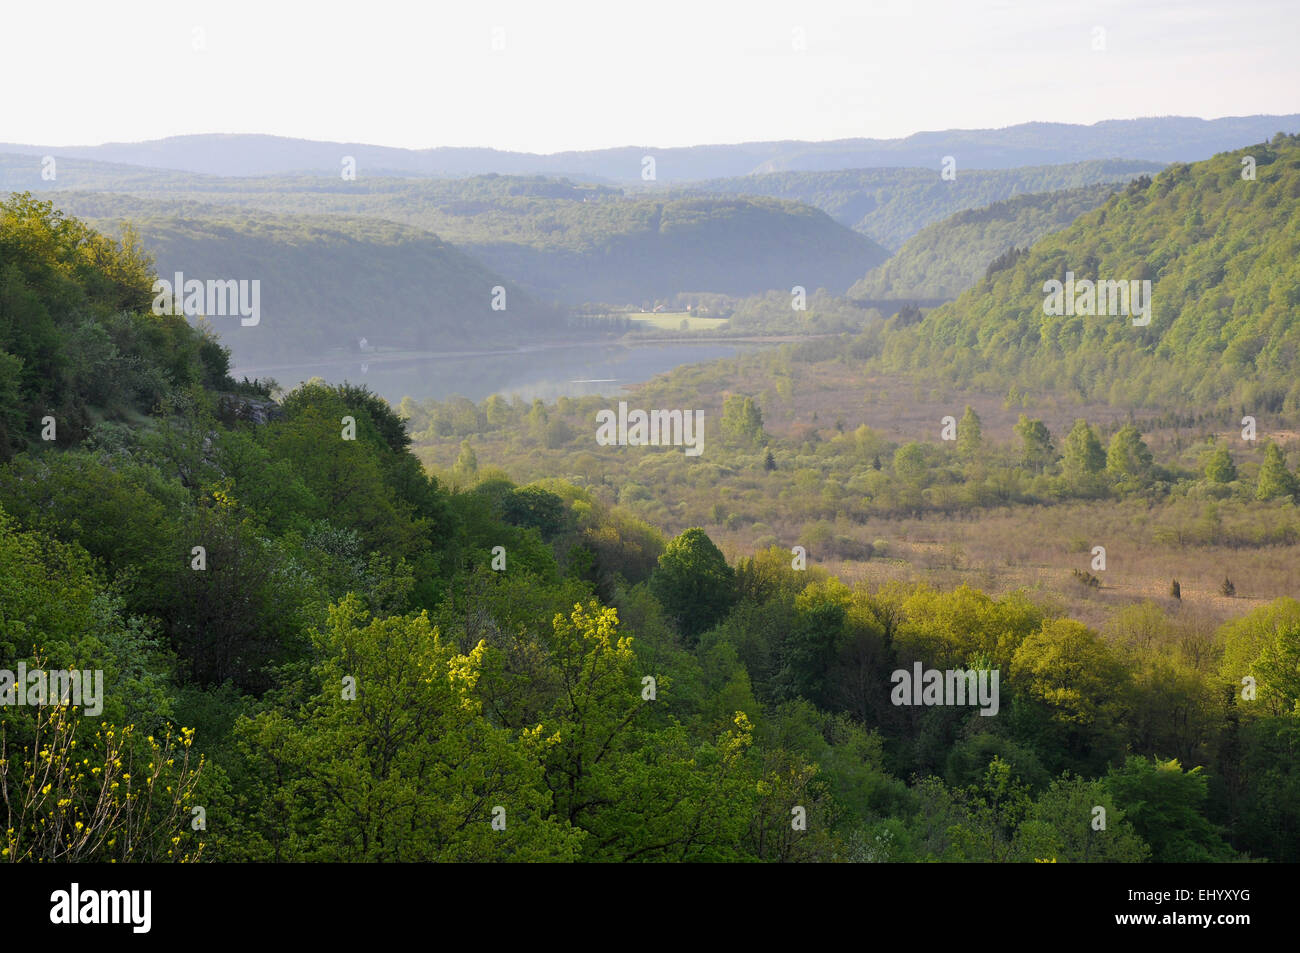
[1036,547]
[672,321]
[1038,550]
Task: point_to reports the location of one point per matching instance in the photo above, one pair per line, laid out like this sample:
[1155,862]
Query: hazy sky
[580,75]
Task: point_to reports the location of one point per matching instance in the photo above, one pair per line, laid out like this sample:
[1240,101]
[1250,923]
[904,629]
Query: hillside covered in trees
[892,205]
[947,257]
[562,242]
[1219,242]
[334,656]
[327,281]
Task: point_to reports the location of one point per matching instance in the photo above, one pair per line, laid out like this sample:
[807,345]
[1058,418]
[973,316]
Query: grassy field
[672,321]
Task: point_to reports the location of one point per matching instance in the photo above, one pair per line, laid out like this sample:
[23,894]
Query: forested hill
[945,258]
[78,345]
[326,282]
[892,205]
[564,242]
[630,251]
[1222,253]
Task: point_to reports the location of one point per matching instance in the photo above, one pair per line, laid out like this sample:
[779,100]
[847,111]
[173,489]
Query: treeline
[824,473]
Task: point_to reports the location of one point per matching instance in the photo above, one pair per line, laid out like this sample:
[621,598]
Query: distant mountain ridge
[1158,139]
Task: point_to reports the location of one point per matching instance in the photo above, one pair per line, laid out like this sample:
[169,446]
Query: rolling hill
[566,243]
[325,282]
[947,257]
[892,205]
[1222,255]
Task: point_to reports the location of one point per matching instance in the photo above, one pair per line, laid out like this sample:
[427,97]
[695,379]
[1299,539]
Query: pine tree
[1037,439]
[467,463]
[1275,480]
[1128,457]
[1084,456]
[970,436]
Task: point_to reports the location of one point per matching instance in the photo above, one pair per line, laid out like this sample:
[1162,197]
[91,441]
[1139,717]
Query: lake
[538,371]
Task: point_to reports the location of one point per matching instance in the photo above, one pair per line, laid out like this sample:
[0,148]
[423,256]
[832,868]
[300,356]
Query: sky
[552,75]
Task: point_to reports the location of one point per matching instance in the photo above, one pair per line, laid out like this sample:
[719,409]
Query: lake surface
[540,371]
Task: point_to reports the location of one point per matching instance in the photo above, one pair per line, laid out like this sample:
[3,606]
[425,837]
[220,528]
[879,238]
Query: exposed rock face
[255,410]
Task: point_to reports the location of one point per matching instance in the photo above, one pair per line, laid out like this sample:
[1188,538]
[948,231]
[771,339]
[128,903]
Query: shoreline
[393,357]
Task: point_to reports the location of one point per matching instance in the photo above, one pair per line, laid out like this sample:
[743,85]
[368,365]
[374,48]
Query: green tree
[1063,826]
[1036,441]
[1166,806]
[388,757]
[1219,467]
[1265,644]
[970,436]
[910,463]
[742,421]
[1073,695]
[1275,480]
[638,787]
[1084,456]
[1128,458]
[694,583]
[535,507]
[467,463]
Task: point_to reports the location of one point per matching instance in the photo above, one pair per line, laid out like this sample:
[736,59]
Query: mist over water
[541,372]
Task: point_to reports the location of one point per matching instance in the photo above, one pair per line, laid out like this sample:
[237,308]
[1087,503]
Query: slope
[892,205]
[326,282]
[568,243]
[1222,255]
[945,258]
